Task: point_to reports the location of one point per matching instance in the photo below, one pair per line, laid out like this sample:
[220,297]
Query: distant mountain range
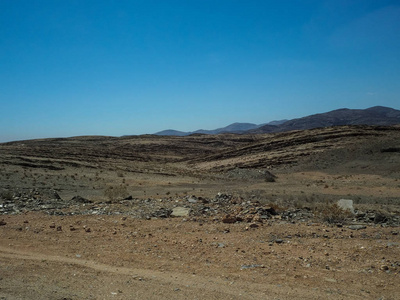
[232,128]
[377,115]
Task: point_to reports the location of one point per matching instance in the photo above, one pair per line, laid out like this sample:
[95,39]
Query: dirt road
[174,259]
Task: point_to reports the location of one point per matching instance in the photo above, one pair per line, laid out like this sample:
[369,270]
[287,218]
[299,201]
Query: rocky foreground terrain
[203,216]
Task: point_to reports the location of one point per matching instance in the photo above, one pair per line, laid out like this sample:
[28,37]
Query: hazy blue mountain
[377,115]
[171,132]
[232,128]
[276,122]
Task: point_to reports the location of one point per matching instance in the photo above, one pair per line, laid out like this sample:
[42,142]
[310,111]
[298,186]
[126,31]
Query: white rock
[180,212]
[346,204]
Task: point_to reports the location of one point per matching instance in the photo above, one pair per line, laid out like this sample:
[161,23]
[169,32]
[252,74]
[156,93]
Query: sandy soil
[124,258]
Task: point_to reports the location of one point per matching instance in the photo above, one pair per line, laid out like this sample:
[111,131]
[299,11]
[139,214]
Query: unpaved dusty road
[123,258]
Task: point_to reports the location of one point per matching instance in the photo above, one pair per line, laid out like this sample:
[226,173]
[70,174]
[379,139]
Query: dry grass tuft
[333,214]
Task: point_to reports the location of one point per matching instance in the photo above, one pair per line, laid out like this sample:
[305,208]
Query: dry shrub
[269,177]
[333,214]
[6,195]
[278,206]
[116,192]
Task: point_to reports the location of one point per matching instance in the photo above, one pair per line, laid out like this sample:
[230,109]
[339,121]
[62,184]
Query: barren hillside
[202,216]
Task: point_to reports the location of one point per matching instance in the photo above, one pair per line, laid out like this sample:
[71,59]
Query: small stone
[2,223]
[330,280]
[59,228]
[380,218]
[243,267]
[80,199]
[192,199]
[279,241]
[253,225]
[229,219]
[357,227]
[384,268]
[391,244]
[180,212]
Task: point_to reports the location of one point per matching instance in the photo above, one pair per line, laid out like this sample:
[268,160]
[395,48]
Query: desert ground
[203,216]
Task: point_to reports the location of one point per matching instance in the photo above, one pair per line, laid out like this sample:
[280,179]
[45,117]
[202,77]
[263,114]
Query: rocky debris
[255,213]
[79,199]
[19,200]
[2,223]
[346,205]
[222,198]
[162,213]
[249,174]
[297,215]
[225,208]
[375,217]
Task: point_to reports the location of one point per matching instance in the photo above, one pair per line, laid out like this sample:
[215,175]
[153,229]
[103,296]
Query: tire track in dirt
[213,287]
[198,284]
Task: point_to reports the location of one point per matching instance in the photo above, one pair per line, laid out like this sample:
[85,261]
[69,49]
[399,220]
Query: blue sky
[71,68]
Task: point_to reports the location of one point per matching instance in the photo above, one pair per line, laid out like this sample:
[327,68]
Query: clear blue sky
[76,67]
